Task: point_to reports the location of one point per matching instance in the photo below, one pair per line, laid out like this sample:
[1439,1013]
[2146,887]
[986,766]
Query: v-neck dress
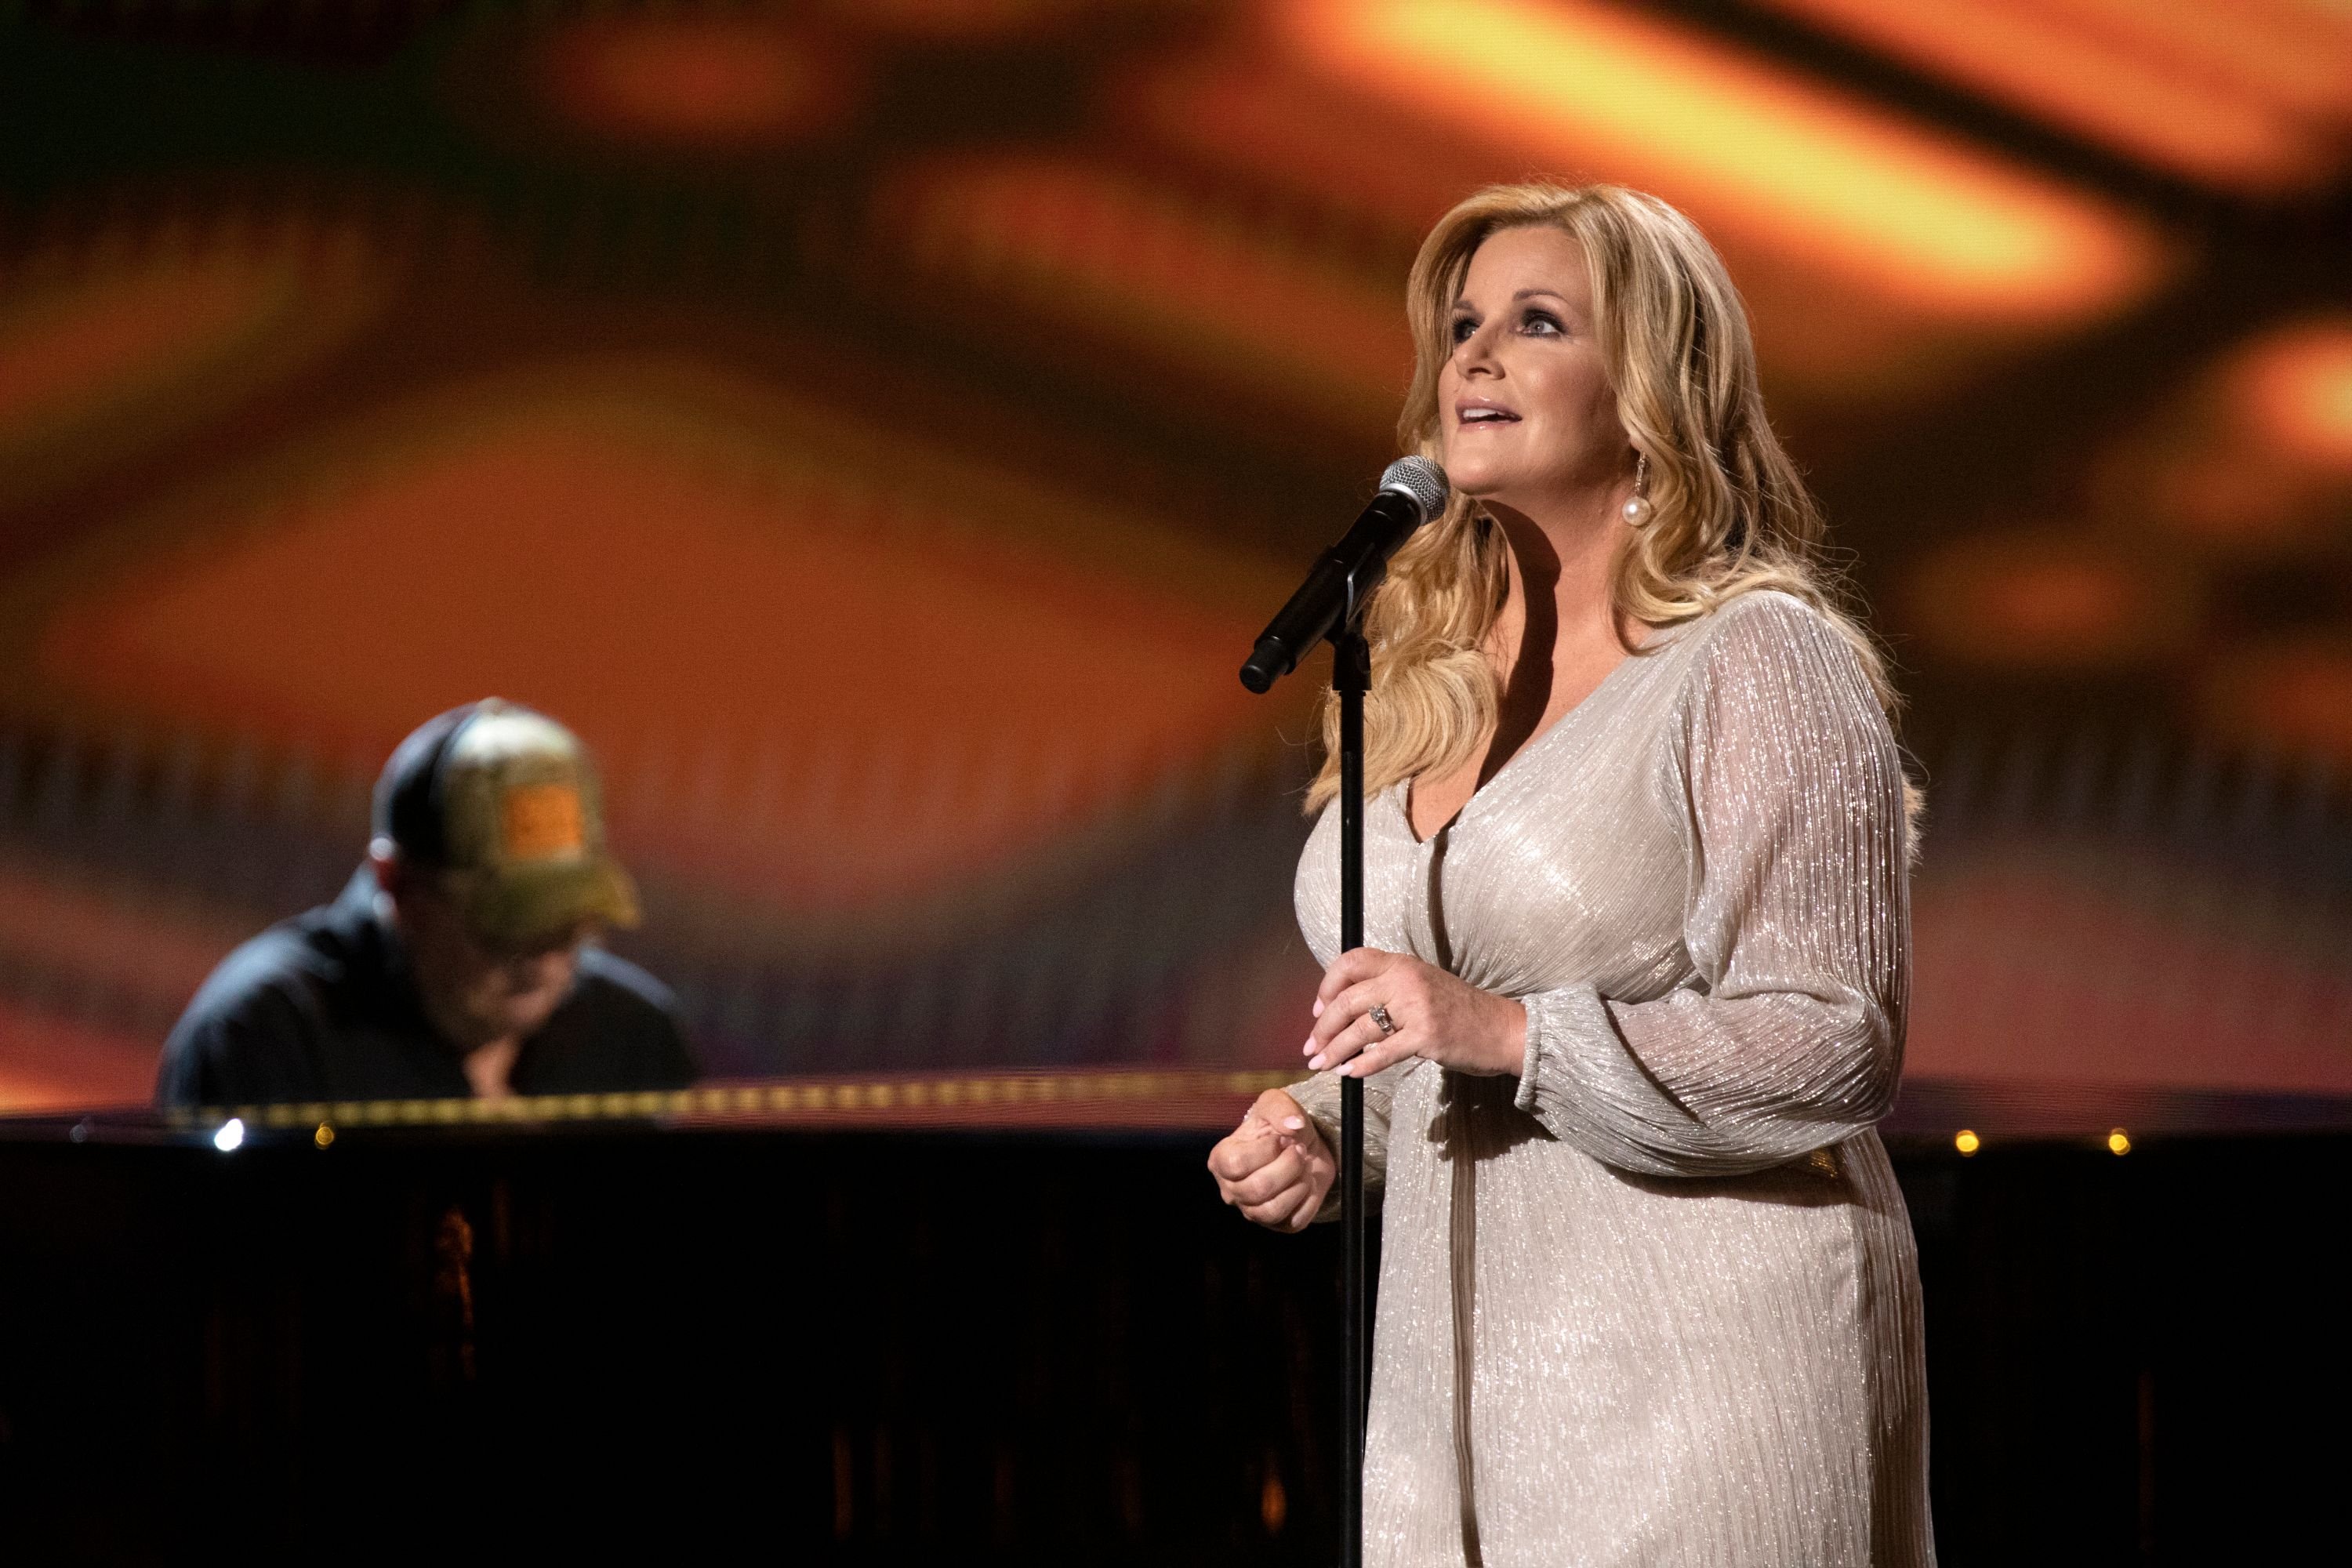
[1654,1300]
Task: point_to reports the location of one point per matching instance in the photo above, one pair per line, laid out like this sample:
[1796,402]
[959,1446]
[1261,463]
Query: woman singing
[1637,916]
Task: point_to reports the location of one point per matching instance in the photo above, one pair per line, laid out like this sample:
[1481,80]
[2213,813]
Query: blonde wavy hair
[1729,512]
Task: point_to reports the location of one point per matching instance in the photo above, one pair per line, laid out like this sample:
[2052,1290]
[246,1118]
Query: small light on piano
[231,1134]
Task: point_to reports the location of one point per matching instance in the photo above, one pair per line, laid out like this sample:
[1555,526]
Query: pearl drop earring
[1637,510]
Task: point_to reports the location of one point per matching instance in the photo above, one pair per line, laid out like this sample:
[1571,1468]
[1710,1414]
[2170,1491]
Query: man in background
[459,960]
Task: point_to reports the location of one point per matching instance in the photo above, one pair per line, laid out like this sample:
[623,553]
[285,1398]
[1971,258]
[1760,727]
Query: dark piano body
[885,1323]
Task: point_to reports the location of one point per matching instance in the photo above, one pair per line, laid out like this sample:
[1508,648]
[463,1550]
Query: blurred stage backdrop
[880,426]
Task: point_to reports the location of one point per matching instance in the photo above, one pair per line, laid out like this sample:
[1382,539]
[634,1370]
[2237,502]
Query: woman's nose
[1474,354]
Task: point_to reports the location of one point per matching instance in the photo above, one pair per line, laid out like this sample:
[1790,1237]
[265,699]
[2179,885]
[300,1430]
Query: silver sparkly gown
[1655,1300]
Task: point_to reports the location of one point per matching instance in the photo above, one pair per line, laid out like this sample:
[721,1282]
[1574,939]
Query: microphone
[1413,492]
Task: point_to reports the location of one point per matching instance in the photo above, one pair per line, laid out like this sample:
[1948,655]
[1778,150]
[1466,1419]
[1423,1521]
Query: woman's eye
[1461,328]
[1540,324]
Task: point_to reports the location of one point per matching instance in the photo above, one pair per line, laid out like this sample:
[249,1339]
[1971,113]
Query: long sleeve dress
[1654,1300]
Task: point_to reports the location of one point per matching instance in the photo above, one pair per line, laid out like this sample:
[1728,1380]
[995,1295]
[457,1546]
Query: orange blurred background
[880,429]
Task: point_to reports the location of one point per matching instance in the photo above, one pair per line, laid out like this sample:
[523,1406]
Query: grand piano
[995,1318]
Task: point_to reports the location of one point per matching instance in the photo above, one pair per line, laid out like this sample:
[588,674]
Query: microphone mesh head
[1419,478]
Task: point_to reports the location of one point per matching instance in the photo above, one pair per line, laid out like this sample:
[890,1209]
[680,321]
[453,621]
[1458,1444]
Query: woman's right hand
[1274,1166]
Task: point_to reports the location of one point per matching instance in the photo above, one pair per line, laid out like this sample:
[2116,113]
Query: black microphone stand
[1411,489]
[1352,676]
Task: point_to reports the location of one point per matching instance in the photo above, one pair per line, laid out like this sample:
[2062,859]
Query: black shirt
[323,1007]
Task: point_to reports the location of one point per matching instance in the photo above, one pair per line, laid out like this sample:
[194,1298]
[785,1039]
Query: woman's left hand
[1432,1014]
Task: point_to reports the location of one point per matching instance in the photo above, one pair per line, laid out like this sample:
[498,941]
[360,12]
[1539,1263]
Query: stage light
[2050,600]
[325,1136]
[2296,384]
[107,347]
[959,21]
[2117,1144]
[2290,695]
[230,1135]
[2253,454]
[740,81]
[1825,178]
[1119,264]
[1967,1142]
[2106,73]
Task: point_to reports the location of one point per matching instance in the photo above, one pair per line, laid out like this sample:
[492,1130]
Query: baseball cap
[504,801]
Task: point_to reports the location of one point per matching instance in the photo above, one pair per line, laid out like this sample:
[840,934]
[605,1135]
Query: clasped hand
[1275,1167]
[1429,1014]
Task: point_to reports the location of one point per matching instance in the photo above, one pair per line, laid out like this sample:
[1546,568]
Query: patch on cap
[541,822]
